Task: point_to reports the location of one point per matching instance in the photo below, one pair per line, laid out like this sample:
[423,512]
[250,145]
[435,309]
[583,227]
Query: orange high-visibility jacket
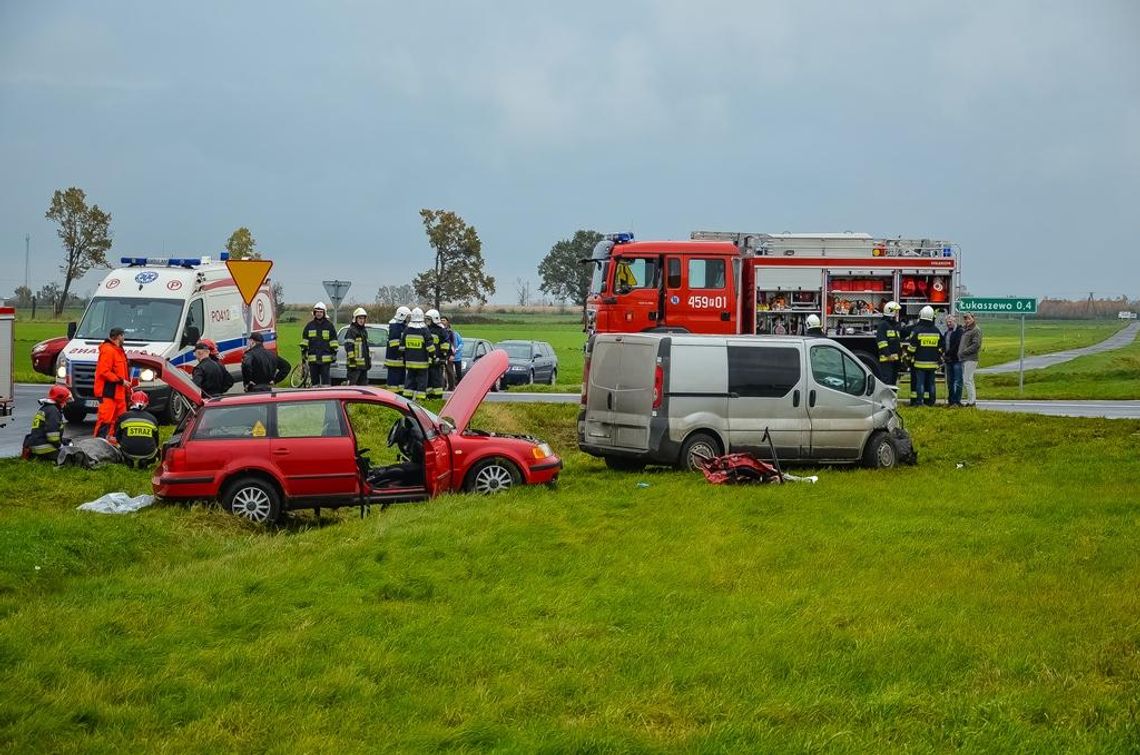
[111,374]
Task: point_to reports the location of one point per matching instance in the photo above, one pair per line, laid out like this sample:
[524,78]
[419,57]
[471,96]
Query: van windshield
[146,320]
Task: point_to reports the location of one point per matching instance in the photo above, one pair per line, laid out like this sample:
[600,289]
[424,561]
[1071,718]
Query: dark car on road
[530,362]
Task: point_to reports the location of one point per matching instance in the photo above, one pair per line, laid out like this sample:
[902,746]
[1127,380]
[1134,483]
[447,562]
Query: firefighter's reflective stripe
[320,340]
[418,349]
[888,341]
[138,428]
[925,346]
[355,350]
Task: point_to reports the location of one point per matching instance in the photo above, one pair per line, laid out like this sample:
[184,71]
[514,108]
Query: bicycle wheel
[299,376]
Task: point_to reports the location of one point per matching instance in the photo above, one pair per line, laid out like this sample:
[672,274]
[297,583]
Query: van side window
[832,368]
[762,371]
[706,273]
[195,322]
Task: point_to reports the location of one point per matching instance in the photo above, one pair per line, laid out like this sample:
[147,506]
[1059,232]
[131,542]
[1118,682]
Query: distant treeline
[1085,309]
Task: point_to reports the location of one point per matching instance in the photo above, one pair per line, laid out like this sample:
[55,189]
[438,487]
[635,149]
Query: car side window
[480,350]
[832,368]
[762,371]
[309,419]
[233,422]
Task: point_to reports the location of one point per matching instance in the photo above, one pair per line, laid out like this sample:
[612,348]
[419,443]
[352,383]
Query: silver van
[669,398]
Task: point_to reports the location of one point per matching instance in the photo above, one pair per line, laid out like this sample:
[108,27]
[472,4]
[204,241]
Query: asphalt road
[1118,340]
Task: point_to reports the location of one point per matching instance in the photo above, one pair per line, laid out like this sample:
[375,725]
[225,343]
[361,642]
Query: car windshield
[143,320]
[516,350]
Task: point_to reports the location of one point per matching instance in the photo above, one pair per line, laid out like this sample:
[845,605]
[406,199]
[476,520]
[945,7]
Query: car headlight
[541,451]
[146,375]
[61,367]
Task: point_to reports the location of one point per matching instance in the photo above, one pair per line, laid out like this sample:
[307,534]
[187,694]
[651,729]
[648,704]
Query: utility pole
[27,249]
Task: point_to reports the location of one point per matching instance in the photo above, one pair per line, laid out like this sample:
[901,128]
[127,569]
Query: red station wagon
[260,454]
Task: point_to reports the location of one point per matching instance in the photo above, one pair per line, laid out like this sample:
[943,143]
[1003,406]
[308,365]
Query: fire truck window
[673,277]
[635,272]
[706,273]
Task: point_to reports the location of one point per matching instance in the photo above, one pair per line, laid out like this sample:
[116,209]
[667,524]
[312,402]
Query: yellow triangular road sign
[249,275]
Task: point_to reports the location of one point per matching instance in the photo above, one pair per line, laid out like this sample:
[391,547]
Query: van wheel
[880,452]
[491,476]
[176,410]
[252,498]
[698,446]
[75,414]
[624,464]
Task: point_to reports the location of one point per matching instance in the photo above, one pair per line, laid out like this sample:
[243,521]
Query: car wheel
[531,380]
[176,410]
[880,452]
[503,385]
[75,414]
[698,446]
[254,499]
[492,476]
[624,464]
[553,377]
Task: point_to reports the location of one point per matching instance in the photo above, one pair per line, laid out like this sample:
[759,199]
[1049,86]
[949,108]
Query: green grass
[1001,337]
[1111,375]
[989,607]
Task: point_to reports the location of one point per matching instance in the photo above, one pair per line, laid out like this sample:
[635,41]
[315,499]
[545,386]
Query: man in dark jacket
[950,341]
[46,437]
[814,327]
[418,348]
[137,433]
[260,368]
[319,340]
[889,342]
[209,375]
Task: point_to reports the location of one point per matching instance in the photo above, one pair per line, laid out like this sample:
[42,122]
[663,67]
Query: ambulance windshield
[144,320]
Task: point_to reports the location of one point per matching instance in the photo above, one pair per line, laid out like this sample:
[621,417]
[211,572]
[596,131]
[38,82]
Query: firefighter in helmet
[419,352]
[889,343]
[442,354]
[925,348]
[393,354]
[358,355]
[814,327]
[46,437]
[318,340]
[137,433]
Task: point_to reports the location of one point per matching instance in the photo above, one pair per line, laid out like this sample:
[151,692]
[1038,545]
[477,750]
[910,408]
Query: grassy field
[1112,375]
[983,600]
[1001,337]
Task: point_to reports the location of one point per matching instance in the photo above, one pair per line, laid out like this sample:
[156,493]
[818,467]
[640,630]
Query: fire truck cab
[761,283]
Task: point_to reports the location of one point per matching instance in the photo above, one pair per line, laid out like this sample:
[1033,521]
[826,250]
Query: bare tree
[85,233]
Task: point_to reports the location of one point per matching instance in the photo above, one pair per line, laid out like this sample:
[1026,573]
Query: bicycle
[299,376]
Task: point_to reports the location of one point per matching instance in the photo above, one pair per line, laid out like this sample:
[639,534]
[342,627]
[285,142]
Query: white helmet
[926,313]
[319,305]
[403,313]
[813,321]
[417,316]
[433,315]
[359,312]
[891,308]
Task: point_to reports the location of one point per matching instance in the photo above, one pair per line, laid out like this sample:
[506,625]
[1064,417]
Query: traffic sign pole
[1021,361]
[336,291]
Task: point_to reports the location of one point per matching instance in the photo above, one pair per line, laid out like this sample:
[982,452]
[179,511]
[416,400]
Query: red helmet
[59,395]
[139,400]
[211,345]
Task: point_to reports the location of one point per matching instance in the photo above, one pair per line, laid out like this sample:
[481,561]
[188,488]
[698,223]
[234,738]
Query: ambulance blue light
[168,261]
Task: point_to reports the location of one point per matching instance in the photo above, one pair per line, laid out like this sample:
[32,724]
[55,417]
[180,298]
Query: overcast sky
[1012,128]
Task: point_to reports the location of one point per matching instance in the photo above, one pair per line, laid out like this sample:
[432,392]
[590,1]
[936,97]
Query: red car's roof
[309,394]
[703,247]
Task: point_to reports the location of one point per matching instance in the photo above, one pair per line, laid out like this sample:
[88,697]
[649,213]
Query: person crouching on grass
[46,437]
[137,433]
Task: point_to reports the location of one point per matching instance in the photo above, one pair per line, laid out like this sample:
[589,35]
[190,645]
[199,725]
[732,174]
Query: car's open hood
[472,389]
[177,379]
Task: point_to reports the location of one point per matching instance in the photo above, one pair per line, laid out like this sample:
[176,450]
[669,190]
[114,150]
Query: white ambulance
[164,305]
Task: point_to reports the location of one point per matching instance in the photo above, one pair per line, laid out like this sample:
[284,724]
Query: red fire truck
[728,282]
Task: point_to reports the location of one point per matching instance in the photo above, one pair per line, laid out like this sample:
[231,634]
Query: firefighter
[889,343]
[358,355]
[46,437]
[419,352]
[925,347]
[814,327]
[393,354]
[112,379]
[319,341]
[261,368]
[137,433]
[442,353]
[209,374]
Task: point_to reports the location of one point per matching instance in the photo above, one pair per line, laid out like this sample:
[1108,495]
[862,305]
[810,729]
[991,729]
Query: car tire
[503,384]
[254,499]
[697,445]
[176,409]
[624,464]
[531,380]
[553,377]
[492,475]
[75,414]
[880,452]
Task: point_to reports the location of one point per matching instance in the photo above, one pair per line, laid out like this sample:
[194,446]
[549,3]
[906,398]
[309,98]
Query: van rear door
[605,368]
[765,392]
[633,399]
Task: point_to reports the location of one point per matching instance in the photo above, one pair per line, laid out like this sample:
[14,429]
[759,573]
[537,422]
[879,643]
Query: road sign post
[336,291]
[1004,306]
